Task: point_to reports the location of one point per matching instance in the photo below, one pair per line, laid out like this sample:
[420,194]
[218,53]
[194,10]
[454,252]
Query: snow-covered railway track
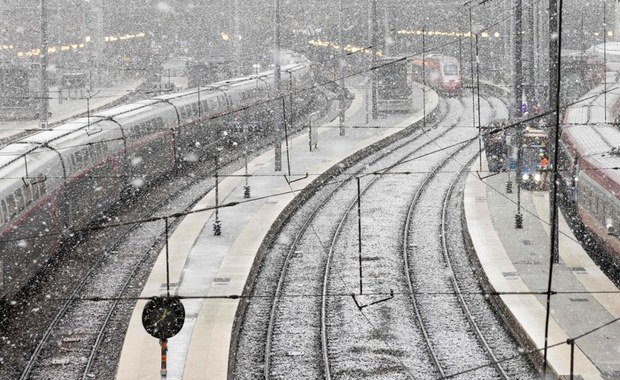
[316,329]
[89,291]
[80,323]
[291,264]
[446,311]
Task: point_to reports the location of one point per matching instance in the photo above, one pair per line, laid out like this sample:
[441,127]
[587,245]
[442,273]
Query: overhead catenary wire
[180,214]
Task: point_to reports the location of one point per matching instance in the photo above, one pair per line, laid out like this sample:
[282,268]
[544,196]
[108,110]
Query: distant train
[532,161]
[59,181]
[443,73]
[397,76]
[590,162]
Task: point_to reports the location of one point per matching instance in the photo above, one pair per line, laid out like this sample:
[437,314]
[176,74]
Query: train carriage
[589,173]
[441,72]
[55,183]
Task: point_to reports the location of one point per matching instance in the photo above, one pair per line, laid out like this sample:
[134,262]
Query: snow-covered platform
[208,265]
[516,264]
[68,108]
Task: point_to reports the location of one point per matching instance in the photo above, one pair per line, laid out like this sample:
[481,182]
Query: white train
[60,180]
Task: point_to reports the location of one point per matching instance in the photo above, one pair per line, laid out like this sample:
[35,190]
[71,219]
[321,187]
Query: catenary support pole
[44,101]
[359,230]
[277,111]
[554,13]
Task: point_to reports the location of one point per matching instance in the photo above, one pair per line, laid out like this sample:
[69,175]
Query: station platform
[63,109]
[202,264]
[516,263]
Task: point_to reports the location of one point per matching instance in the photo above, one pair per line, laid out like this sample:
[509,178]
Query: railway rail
[314,328]
[66,337]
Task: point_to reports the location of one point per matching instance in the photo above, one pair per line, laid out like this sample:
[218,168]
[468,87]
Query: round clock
[163,317]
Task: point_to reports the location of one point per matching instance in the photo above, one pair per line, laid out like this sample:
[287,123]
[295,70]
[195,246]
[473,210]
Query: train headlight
[525,177]
[537,177]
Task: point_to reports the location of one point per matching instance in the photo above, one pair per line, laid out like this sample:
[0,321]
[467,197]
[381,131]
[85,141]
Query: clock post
[163,343]
[163,318]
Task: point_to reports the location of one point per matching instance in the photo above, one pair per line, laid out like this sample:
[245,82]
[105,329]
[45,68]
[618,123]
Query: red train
[396,76]
[590,163]
[443,73]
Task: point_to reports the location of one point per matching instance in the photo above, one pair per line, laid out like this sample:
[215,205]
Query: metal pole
[374,27]
[199,105]
[605,56]
[359,229]
[163,343]
[368,84]
[246,188]
[478,92]
[277,127]
[288,159]
[424,78]
[167,261]
[531,38]
[518,60]
[290,100]
[572,358]
[471,60]
[217,225]
[237,42]
[518,216]
[44,101]
[340,70]
[554,13]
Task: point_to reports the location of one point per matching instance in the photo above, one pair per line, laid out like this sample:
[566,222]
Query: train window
[91,154]
[582,193]
[97,153]
[41,185]
[35,191]
[11,207]
[596,203]
[4,214]
[19,200]
[184,111]
[27,194]
[79,161]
